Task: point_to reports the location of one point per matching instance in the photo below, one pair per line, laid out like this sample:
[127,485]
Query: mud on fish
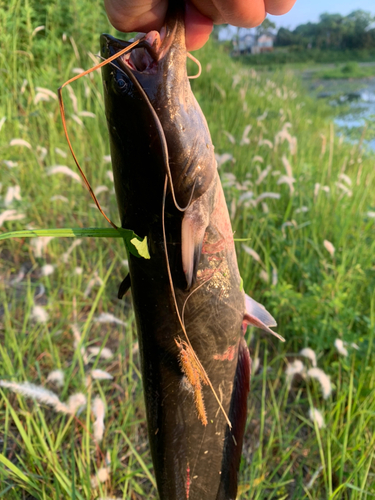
[190,309]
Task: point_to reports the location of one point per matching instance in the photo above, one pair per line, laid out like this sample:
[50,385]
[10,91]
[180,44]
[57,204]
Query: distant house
[245,43]
[264,43]
[253,44]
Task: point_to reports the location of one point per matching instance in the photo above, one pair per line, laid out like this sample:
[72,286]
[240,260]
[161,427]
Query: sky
[309,10]
[304,11]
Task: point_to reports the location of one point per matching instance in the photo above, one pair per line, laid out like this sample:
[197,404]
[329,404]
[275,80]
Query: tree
[333,31]
[286,38]
[265,27]
[357,24]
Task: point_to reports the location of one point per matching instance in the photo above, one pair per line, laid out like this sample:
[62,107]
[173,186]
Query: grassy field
[348,70]
[288,55]
[303,197]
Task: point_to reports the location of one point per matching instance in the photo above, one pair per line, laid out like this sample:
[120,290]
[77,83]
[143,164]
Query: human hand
[146,15]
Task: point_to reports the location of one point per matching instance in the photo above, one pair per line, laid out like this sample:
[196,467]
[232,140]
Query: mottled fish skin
[191,460]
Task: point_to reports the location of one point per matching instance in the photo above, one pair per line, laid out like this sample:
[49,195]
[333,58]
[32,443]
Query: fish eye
[121,83]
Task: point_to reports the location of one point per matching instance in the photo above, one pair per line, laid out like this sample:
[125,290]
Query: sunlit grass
[291,184]
[348,70]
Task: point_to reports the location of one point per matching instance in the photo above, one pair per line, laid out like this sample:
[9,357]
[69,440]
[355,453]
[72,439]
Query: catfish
[191,311]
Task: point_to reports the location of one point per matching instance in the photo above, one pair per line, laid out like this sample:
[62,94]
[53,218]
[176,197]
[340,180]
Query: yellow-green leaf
[141,246]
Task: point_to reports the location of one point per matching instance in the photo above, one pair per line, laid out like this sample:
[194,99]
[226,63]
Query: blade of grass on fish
[135,244]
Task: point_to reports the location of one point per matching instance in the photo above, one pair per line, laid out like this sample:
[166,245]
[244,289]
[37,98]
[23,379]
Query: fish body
[195,441]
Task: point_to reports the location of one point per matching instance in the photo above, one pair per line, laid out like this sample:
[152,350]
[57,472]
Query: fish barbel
[190,309]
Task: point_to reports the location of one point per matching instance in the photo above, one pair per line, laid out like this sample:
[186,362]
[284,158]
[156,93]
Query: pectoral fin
[124,287]
[192,239]
[257,315]
[193,227]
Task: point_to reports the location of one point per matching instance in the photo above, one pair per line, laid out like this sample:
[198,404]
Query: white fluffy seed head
[108,318]
[20,142]
[221,159]
[60,152]
[47,269]
[105,353]
[103,474]
[77,341]
[101,375]
[56,377]
[40,244]
[43,90]
[323,379]
[39,314]
[95,280]
[329,247]
[10,163]
[310,354]
[9,215]
[63,169]
[76,402]
[295,368]
[100,189]
[100,477]
[252,253]
[340,346]
[13,193]
[263,174]
[266,194]
[98,430]
[316,416]
[98,410]
[255,366]
[36,392]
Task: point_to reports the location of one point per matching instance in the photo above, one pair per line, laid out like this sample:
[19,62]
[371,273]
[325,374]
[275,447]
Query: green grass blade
[139,458]
[17,472]
[136,245]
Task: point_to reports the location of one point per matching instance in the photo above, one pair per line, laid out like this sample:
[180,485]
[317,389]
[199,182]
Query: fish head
[150,86]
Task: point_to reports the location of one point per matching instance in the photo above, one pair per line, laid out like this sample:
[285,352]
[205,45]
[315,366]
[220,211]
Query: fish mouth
[146,56]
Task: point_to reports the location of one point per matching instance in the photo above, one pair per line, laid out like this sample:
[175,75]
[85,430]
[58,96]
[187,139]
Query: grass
[315,295]
[296,54]
[348,70]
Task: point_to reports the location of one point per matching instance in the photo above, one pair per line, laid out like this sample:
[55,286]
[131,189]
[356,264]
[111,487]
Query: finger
[144,15]
[279,7]
[197,27]
[242,13]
